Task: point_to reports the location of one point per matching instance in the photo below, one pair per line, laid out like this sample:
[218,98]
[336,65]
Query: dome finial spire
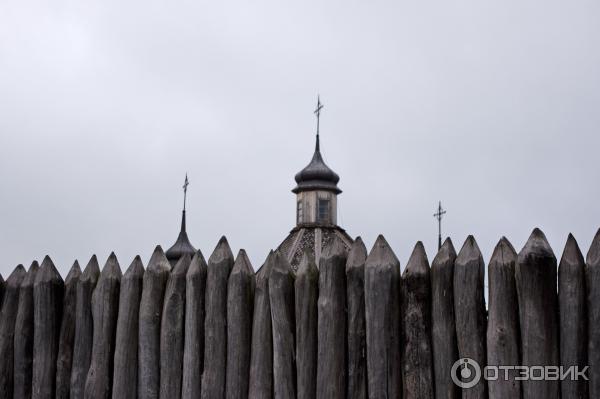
[318,113]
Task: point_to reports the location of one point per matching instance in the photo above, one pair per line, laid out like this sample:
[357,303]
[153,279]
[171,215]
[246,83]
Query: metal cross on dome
[185,186]
[318,113]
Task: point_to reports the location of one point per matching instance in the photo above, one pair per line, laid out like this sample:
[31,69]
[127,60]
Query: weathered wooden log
[382,315]
[281,296]
[151,305]
[470,312]
[417,356]
[2,287]
[193,356]
[331,342]
[10,307]
[503,345]
[172,333]
[357,329]
[573,318]
[261,360]
[48,291]
[592,280]
[240,306]
[443,329]
[105,310]
[125,367]
[538,313]
[215,324]
[84,328]
[67,334]
[23,341]
[306,289]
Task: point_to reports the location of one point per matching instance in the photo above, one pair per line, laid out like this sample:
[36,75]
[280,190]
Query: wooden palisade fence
[350,327]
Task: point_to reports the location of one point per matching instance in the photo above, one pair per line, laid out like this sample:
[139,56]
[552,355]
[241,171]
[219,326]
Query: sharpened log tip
[418,262]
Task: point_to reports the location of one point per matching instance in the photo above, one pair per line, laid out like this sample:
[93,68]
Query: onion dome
[182,246]
[317,175]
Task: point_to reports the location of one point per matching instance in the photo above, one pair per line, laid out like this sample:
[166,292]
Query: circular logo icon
[466,373]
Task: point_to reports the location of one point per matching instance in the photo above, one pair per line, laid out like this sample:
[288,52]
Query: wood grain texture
[66,342]
[469,310]
[331,342]
[172,331]
[84,328]
[193,356]
[417,356]
[536,277]
[125,368]
[503,335]
[572,305]
[592,272]
[382,312]
[240,306]
[23,341]
[8,315]
[281,295]
[151,305]
[306,288]
[48,291]
[220,264]
[261,359]
[105,308]
[357,329]
[443,325]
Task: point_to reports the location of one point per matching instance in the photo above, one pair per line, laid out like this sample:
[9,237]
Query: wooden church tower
[316,209]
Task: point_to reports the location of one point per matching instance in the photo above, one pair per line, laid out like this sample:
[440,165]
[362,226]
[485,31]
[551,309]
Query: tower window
[299,212]
[323,211]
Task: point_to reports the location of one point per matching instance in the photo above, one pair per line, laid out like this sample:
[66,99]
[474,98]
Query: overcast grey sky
[492,107]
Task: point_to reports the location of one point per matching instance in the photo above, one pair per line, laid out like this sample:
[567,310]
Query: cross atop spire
[439,215]
[318,113]
[185,186]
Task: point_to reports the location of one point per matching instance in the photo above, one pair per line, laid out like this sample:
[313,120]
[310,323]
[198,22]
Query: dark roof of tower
[317,175]
[182,246]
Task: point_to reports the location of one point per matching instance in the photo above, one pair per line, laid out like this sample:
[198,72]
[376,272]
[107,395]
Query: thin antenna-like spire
[318,113]
[185,186]
[438,215]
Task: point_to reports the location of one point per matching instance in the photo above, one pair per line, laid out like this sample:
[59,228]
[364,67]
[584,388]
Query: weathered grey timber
[261,359]
[417,357]
[443,327]
[538,312]
[84,328]
[48,291]
[503,345]
[105,309]
[306,289]
[2,286]
[215,324]
[172,331]
[67,334]
[193,355]
[331,342]
[10,307]
[281,295]
[151,305]
[592,271]
[23,341]
[240,306]
[382,313]
[125,367]
[573,318]
[357,329]
[469,308]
